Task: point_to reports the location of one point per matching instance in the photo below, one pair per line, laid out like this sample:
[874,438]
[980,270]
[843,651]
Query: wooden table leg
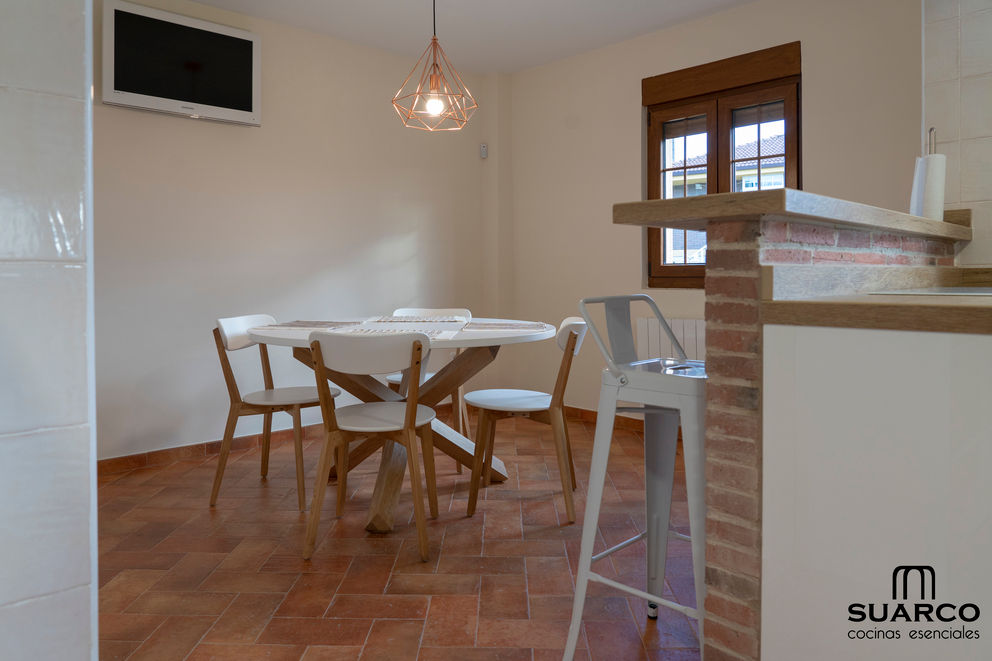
[392,467]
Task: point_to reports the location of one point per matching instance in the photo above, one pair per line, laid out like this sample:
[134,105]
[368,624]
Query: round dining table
[478,341]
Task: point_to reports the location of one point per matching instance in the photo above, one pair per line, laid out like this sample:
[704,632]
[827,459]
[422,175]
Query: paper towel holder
[927,198]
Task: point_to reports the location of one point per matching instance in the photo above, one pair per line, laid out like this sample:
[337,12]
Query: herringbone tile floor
[182,581]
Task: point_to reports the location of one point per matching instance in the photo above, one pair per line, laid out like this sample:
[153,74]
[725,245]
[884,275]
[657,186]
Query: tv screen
[161,61]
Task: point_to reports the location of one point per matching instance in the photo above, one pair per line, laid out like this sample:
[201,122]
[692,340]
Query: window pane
[674,246]
[758,130]
[695,182]
[673,184]
[695,247]
[744,176]
[772,173]
[683,143]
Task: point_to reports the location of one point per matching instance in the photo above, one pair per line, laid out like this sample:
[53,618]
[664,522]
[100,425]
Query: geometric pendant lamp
[433,97]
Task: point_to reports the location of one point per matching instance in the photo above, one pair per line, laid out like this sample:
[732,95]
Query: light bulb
[434,106]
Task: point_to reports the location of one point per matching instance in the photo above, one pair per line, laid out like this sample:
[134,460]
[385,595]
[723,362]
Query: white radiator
[653,342]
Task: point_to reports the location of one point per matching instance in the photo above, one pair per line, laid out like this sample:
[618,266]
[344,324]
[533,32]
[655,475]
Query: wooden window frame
[715,89]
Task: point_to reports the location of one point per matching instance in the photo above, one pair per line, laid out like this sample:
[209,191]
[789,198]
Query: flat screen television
[157,60]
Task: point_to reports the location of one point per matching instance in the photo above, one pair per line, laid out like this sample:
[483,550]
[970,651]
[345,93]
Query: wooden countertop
[785,204]
[924,312]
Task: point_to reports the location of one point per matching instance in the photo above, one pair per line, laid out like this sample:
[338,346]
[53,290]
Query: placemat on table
[504,325]
[390,319]
[313,324]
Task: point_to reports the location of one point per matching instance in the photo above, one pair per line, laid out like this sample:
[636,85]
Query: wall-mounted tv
[157,60]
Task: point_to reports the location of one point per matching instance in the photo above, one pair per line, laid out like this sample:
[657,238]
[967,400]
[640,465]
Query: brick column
[733,442]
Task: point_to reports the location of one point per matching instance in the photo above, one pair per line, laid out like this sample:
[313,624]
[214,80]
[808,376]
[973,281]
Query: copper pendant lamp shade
[433,97]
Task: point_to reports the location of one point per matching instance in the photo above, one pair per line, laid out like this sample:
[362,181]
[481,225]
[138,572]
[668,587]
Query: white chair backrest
[570,325]
[433,312]
[234,330]
[368,354]
[619,329]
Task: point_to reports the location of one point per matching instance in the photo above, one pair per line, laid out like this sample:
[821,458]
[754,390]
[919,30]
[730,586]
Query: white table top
[452,336]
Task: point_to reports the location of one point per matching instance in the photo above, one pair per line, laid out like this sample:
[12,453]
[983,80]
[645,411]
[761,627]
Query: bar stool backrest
[620,331]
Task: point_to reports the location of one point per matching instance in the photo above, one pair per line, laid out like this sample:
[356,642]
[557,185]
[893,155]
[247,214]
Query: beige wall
[330,208]
[48,595]
[577,139]
[333,208]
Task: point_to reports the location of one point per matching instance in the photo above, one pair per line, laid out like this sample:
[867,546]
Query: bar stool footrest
[653,598]
[622,545]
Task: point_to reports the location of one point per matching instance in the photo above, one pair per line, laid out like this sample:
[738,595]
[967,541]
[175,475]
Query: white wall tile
[58,626]
[976,106]
[42,176]
[952,179]
[942,51]
[43,360]
[46,506]
[943,108]
[969,6]
[979,251]
[939,10]
[42,46]
[976,169]
[976,44]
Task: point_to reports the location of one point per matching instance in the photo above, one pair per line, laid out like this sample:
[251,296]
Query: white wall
[48,510]
[577,148]
[330,208]
[872,462]
[958,97]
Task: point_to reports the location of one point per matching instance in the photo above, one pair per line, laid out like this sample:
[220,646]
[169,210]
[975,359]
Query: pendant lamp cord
[435,18]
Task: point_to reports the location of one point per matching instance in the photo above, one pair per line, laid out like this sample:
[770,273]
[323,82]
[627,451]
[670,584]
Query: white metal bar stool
[672,390]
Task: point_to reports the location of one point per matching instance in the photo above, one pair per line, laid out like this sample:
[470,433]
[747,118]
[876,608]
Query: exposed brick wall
[817,243]
[733,439]
[735,251]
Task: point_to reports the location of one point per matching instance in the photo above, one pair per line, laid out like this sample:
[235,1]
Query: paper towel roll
[928,187]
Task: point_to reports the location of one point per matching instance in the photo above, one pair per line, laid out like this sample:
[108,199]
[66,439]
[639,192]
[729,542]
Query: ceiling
[482,36]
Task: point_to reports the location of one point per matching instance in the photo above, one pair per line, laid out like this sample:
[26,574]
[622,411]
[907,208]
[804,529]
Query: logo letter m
[900,575]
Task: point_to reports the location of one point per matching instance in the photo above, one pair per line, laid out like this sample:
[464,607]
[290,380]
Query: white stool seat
[397,377]
[286,396]
[379,416]
[506,399]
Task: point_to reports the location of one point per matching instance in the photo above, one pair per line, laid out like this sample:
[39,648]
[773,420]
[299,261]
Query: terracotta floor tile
[433,584]
[367,575]
[189,572]
[451,621]
[548,576]
[322,653]
[244,619]
[480,565]
[503,597]
[181,603]
[498,586]
[393,640]
[249,555]
[173,640]
[310,595]
[128,626]
[236,581]
[379,606]
[117,650]
[609,640]
[314,631]
[125,587]
[222,652]
[139,560]
[542,634]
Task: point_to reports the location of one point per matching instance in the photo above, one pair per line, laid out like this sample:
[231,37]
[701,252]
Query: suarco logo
[914,601]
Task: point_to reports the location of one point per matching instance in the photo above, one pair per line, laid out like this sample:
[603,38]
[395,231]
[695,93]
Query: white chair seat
[379,416]
[506,399]
[286,396]
[397,377]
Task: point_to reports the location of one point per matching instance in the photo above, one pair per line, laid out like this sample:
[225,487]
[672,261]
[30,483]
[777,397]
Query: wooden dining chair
[396,421]
[494,404]
[231,334]
[459,412]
